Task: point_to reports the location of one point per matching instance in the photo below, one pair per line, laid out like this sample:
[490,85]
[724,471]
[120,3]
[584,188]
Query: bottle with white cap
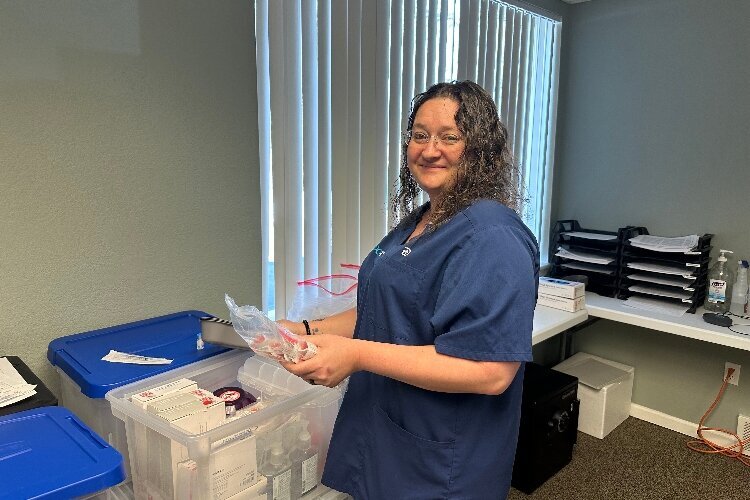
[278,472]
[719,289]
[739,291]
[304,463]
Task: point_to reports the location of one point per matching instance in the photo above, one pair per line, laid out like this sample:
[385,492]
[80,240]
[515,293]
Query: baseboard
[678,425]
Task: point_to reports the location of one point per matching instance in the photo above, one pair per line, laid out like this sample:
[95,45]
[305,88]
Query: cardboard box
[569,305]
[605,389]
[561,288]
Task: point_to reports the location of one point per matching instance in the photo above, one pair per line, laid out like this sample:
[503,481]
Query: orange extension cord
[705,445]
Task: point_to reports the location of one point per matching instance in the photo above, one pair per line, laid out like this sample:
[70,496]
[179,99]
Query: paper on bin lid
[594,373]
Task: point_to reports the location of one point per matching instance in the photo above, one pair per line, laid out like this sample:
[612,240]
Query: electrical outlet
[735,379]
[743,431]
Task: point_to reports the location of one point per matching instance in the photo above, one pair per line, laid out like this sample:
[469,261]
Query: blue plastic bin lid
[49,453]
[172,336]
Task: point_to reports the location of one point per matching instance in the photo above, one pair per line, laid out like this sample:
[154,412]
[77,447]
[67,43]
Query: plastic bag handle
[314,282]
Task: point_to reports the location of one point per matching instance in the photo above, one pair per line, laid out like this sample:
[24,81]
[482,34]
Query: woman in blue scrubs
[436,345]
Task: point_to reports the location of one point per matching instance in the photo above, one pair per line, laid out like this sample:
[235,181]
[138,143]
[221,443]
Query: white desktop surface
[548,322]
[687,325]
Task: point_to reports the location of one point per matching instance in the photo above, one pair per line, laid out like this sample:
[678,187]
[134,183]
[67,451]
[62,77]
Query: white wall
[653,132]
[128,165]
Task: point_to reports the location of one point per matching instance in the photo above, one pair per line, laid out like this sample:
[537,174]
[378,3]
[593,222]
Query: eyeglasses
[447,139]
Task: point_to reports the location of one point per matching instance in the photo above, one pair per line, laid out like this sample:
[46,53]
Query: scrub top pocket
[405,460]
[393,292]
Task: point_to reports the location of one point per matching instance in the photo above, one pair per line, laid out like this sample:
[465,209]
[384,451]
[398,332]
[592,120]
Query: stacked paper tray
[664,276]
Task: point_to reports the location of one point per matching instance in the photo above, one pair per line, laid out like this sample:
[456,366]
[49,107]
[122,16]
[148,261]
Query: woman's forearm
[341,324]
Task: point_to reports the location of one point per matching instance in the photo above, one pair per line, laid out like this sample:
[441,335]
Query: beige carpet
[639,460]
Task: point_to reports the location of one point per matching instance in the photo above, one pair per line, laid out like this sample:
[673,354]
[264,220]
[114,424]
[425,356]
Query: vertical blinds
[335,82]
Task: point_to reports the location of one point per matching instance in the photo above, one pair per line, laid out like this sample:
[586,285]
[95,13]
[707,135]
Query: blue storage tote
[85,379]
[48,452]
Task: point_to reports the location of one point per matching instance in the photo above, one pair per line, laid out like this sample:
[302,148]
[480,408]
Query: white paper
[652,290]
[13,387]
[684,283]
[592,258]
[123,357]
[661,268]
[590,236]
[587,267]
[656,305]
[682,244]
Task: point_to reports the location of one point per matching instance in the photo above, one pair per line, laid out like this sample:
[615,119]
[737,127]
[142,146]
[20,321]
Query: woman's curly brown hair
[486,169]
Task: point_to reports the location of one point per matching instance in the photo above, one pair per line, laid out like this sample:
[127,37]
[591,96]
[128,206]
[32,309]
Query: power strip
[743,431]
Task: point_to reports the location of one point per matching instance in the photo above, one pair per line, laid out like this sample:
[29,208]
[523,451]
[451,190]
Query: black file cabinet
[549,423]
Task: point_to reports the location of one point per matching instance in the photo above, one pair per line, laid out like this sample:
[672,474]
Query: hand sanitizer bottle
[278,472]
[719,290]
[304,464]
[739,291]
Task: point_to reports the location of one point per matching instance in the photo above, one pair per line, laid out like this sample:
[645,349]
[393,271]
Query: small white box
[561,288]
[149,395]
[605,389]
[570,305]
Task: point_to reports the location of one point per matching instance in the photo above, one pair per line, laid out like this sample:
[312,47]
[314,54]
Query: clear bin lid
[594,373]
[172,336]
[48,452]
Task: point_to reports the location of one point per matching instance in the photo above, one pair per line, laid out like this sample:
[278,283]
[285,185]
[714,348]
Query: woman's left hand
[336,359]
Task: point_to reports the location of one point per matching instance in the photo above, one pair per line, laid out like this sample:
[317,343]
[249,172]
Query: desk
[688,325]
[549,322]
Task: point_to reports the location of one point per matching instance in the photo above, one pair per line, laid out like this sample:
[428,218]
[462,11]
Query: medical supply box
[85,378]
[604,389]
[43,396]
[47,452]
[250,454]
[561,288]
[555,302]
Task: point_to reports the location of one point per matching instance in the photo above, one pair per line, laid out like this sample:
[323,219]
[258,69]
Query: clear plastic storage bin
[247,454]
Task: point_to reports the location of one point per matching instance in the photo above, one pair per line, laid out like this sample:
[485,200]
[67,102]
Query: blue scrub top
[469,288]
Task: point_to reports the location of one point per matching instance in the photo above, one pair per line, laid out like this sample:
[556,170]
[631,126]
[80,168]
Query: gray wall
[128,165]
[652,131]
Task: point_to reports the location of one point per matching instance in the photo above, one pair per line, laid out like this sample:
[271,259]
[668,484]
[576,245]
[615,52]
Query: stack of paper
[593,258]
[13,387]
[681,244]
[656,305]
[590,236]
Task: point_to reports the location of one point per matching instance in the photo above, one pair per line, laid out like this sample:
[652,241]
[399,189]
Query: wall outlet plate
[735,379]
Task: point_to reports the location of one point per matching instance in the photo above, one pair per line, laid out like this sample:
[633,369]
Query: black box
[549,425]
[43,396]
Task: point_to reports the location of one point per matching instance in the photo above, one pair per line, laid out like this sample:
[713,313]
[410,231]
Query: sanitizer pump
[739,292]
[719,290]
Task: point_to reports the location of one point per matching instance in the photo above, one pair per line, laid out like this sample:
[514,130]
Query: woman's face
[435,162]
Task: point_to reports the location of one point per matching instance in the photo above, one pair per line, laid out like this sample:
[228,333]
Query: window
[335,82]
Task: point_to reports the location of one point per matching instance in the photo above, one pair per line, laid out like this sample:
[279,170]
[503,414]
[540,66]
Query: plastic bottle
[304,464]
[739,291]
[719,287]
[278,472]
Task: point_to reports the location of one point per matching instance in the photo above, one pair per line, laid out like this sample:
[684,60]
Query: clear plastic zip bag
[320,297]
[265,336]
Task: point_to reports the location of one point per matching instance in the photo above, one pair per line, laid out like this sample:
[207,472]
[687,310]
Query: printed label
[717,291]
[309,473]
[282,486]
